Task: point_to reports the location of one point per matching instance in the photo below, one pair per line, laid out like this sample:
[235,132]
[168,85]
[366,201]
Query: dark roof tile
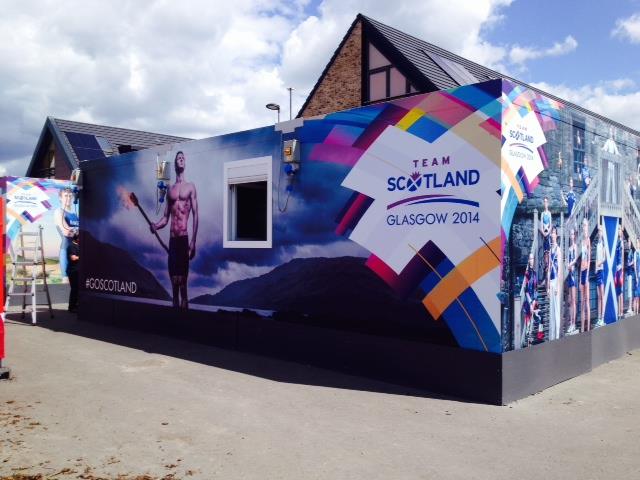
[417,52]
[115,136]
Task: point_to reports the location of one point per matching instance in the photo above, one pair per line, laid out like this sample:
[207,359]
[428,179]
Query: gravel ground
[89,401]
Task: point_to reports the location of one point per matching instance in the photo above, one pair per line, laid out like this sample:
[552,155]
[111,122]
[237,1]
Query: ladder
[27,260]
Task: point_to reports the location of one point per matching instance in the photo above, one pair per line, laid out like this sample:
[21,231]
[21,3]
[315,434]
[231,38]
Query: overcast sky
[201,68]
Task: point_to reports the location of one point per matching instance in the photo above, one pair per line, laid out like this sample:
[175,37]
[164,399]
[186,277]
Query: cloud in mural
[202,281]
[309,228]
[334,249]
[304,229]
[230,272]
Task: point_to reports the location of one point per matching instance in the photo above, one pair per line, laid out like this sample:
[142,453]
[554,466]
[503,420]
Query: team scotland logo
[414,181]
[430,188]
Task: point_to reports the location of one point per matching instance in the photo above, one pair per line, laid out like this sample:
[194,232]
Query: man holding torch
[182,200]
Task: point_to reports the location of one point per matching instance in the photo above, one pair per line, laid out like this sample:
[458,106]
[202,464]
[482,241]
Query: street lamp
[274,106]
[290,92]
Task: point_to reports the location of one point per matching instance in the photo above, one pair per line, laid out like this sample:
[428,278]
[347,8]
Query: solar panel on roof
[106,147]
[85,146]
[410,47]
[456,71]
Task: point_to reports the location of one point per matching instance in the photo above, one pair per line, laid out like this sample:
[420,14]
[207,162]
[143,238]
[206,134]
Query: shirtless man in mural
[181,201]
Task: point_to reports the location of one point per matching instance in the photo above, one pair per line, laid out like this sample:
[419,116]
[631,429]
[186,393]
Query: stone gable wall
[341,88]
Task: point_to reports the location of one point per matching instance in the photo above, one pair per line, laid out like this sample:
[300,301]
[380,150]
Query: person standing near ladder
[73,258]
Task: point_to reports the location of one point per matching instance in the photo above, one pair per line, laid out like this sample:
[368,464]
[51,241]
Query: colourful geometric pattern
[33,209]
[342,138]
[352,212]
[450,296]
[521,101]
[517,104]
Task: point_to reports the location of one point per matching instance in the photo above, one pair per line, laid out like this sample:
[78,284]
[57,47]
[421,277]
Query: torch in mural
[179,208]
[134,201]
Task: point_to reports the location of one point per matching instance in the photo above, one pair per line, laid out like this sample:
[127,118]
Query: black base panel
[477,376]
[438,369]
[531,370]
[611,343]
[218,329]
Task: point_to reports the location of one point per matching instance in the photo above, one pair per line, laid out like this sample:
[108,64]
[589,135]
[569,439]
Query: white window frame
[257,169]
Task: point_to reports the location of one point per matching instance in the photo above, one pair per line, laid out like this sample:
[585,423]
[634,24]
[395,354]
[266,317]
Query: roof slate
[417,52]
[115,135]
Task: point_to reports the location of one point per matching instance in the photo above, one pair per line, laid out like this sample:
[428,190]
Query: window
[376,59]
[247,209]
[383,80]
[457,72]
[578,145]
[47,168]
[398,83]
[378,86]
[50,161]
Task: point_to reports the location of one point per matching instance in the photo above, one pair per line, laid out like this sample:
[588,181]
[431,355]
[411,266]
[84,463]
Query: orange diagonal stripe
[462,277]
[512,178]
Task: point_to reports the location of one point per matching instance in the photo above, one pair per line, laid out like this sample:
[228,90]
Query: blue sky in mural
[305,230]
[196,70]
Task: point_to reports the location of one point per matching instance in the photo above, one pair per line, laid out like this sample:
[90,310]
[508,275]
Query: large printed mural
[570,220]
[488,217]
[391,226]
[40,205]
[426,204]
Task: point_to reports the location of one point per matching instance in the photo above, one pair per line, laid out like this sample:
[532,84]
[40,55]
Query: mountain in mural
[113,263]
[338,292]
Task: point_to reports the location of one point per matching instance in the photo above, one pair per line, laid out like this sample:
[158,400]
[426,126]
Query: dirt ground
[94,402]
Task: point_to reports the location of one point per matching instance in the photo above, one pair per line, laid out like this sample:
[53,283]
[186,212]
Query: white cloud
[195,70]
[467,20]
[198,71]
[519,55]
[612,99]
[628,28]
[620,84]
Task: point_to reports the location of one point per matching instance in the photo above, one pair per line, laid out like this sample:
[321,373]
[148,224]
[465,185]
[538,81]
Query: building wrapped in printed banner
[461,240]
